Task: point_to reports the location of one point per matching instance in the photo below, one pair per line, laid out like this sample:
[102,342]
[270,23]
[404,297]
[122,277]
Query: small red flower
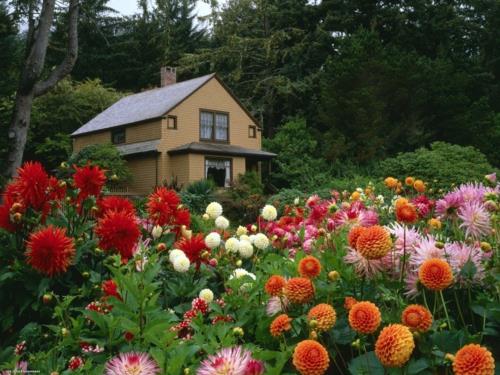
[75,363]
[50,251]
[193,248]
[90,180]
[114,203]
[31,184]
[128,336]
[110,288]
[118,230]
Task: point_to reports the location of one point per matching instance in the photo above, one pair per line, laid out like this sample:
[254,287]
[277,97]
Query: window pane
[206,123]
[221,126]
[218,170]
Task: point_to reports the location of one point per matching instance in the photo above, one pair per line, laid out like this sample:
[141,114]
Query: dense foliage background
[360,80]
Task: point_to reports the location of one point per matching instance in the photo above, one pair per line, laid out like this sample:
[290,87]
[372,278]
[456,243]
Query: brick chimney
[168,76]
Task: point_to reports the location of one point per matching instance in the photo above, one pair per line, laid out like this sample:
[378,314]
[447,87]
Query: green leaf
[366,364]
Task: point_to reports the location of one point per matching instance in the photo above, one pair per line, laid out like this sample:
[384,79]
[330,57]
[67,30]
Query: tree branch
[65,67]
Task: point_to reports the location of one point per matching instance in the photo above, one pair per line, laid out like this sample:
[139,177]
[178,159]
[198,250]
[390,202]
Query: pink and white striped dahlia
[475,219]
[132,363]
[363,266]
[231,361]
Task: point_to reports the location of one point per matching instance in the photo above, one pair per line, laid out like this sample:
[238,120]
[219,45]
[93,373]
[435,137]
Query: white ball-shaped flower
[251,238]
[214,210]
[174,253]
[269,212]
[212,240]
[221,222]
[206,295]
[181,264]
[244,237]
[232,245]
[246,249]
[240,272]
[261,241]
[241,231]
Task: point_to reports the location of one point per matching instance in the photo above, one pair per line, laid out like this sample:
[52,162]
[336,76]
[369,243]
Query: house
[181,132]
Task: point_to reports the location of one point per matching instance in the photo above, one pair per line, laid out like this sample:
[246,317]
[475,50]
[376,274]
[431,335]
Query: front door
[218,170]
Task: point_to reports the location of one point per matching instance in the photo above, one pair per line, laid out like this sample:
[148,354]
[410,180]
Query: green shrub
[107,157]
[442,164]
[198,195]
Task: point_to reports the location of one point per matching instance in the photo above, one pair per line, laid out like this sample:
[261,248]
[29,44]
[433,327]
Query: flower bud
[213,262]
[449,357]
[62,184]
[313,335]
[333,275]
[486,247]
[186,233]
[205,254]
[205,217]
[47,298]
[64,165]
[443,325]
[161,247]
[114,177]
[17,217]
[356,344]
[187,371]
[85,275]
[64,332]
[439,245]
[313,323]
[157,232]
[238,332]
[253,228]
[239,263]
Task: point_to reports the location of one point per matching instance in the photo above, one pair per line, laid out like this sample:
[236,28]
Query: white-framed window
[218,170]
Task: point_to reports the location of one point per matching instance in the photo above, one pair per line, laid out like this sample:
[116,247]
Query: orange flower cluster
[353,236]
[406,213]
[364,317]
[280,325]
[435,274]
[474,359]
[310,358]
[324,314]
[349,302]
[309,267]
[374,242]
[419,186]
[394,345]
[417,318]
[299,290]
[275,285]
[391,182]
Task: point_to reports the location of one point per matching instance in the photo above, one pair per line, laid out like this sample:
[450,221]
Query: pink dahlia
[275,305]
[363,266]
[231,361]
[132,363]
[449,204]
[425,249]
[475,219]
[404,237]
[461,257]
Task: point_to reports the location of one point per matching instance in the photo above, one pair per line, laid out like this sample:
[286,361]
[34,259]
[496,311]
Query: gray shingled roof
[138,147]
[219,149]
[143,106]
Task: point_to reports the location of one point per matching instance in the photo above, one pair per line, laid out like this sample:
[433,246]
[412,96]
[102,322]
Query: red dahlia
[193,247]
[114,203]
[31,185]
[50,251]
[109,288]
[162,205]
[89,179]
[118,231]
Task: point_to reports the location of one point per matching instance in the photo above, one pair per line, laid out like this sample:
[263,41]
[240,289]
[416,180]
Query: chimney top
[168,76]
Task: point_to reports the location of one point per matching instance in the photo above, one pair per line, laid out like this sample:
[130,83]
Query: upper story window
[214,126]
[252,131]
[172,122]
[118,136]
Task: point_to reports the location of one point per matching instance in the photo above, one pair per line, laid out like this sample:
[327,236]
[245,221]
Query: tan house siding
[91,139]
[143,170]
[180,167]
[143,132]
[238,167]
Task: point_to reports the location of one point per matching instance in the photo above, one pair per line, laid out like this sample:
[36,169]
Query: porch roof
[220,149]
[139,148]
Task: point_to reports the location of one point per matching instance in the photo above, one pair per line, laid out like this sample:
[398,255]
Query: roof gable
[143,106]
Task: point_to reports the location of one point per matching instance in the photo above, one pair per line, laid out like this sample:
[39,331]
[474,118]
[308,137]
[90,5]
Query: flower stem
[404,254]
[445,309]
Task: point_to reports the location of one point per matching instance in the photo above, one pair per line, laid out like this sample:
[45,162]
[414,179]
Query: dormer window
[118,136]
[214,126]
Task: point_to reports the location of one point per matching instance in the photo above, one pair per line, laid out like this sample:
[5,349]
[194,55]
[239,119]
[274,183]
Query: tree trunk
[29,84]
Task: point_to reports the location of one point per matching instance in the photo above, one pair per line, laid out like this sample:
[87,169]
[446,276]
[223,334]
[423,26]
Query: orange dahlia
[401,202]
[353,235]
[50,251]
[310,358]
[364,317]
[299,290]
[435,274]
[374,242]
[394,345]
[474,359]
[419,186]
[274,285]
[409,181]
[349,302]
[417,318]
[280,325]
[324,315]
[391,182]
[406,213]
[309,267]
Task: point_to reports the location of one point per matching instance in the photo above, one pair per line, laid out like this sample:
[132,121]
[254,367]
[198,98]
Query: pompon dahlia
[417,318]
[374,242]
[235,360]
[349,302]
[119,231]
[275,285]
[324,314]
[310,358]
[90,180]
[309,267]
[31,185]
[193,248]
[435,274]
[406,213]
[473,359]
[280,325]
[114,203]
[50,251]
[354,234]
[132,363]
[394,345]
[299,290]
[364,317]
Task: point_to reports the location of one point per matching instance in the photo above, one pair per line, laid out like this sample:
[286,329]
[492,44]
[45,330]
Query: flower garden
[399,280]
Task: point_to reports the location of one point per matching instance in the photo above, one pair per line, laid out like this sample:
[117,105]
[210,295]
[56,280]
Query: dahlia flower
[363,266]
[269,213]
[214,210]
[299,290]
[212,240]
[309,267]
[114,203]
[417,317]
[245,249]
[221,222]
[435,274]
[206,295]
[406,213]
[425,249]
[462,255]
[232,245]
[174,253]
[241,231]
[325,316]
[90,180]
[475,219]
[374,242]
[261,241]
[274,285]
[31,185]
[310,358]
[231,361]
[473,359]
[181,264]
[280,325]
[132,363]
[193,248]
[364,317]
[394,345]
[50,251]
